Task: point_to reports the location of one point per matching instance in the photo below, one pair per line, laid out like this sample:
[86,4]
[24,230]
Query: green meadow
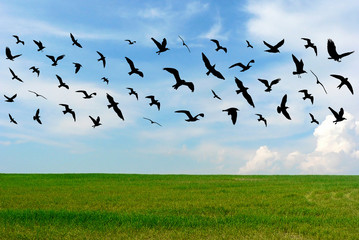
[118,206]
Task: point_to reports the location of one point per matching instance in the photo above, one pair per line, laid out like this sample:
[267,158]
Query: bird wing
[215,41]
[129,61]
[336,115]
[304,91]
[238,64]
[99,54]
[157,43]
[8,52]
[93,120]
[164,42]
[12,72]
[82,91]
[151,97]
[315,50]
[37,112]
[233,116]
[332,50]
[275,81]
[72,38]
[350,87]
[296,61]
[278,45]
[284,101]
[239,83]
[311,115]
[345,54]
[206,61]
[286,114]
[190,85]
[59,78]
[248,98]
[189,115]
[73,115]
[60,57]
[341,112]
[110,99]
[51,57]
[306,39]
[265,82]
[341,78]
[118,111]
[174,72]
[217,74]
[267,44]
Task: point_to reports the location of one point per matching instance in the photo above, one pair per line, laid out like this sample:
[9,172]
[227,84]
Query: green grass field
[106,206]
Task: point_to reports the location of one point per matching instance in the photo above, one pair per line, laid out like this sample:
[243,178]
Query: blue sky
[209,146]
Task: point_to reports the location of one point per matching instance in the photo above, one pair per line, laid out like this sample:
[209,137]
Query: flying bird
[9,55]
[248,44]
[307,95]
[244,91]
[313,119]
[161,46]
[211,69]
[154,101]
[338,116]
[133,92]
[261,118]
[114,106]
[332,51]
[184,44]
[215,95]
[75,41]
[37,116]
[77,67]
[102,58]
[189,115]
[219,47]
[68,110]
[133,68]
[179,81]
[244,67]
[233,113]
[299,66]
[62,84]
[54,61]
[35,70]
[269,85]
[153,122]
[275,48]
[318,82]
[37,95]
[343,81]
[86,95]
[14,76]
[96,122]
[39,45]
[130,42]
[283,108]
[105,79]
[18,40]
[12,120]
[10,99]
[310,44]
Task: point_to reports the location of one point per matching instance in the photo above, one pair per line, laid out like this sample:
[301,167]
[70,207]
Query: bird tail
[238,91]
[109,105]
[207,73]
[34,117]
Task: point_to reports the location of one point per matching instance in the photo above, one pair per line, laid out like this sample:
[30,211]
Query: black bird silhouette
[307,95]
[18,40]
[37,116]
[310,44]
[87,96]
[275,48]
[10,99]
[233,112]
[114,106]
[37,95]
[154,101]
[244,67]
[153,122]
[130,42]
[313,119]
[62,84]
[269,86]
[96,122]
[248,44]
[189,115]
[215,95]
[338,116]
[184,44]
[343,81]
[133,69]
[244,91]
[54,61]
[179,81]
[39,45]
[75,41]
[211,69]
[299,65]
[77,67]
[68,110]
[283,108]
[12,120]
[161,46]
[219,47]
[261,118]
[105,79]
[332,51]
[9,55]
[133,92]
[35,70]
[14,76]
[318,82]
[102,58]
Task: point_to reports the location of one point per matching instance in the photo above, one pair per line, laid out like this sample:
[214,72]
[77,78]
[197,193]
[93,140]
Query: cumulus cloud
[264,161]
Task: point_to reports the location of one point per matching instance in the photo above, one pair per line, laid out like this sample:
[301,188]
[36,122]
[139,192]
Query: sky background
[212,145]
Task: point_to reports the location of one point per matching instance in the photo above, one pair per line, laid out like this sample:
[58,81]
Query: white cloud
[216,31]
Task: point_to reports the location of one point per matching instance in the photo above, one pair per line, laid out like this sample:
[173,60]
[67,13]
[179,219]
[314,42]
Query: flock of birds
[211,69]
